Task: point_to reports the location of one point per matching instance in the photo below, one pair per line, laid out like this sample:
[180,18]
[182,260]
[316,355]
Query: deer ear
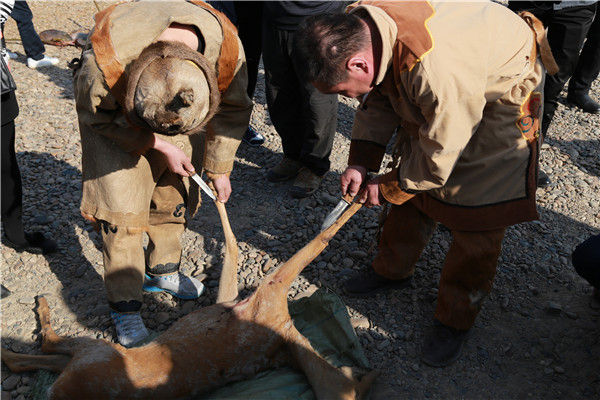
[186,96]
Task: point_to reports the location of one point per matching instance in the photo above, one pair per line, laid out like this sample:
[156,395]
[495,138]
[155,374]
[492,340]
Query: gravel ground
[536,337]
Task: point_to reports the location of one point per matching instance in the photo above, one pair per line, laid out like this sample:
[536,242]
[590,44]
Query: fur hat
[171,89]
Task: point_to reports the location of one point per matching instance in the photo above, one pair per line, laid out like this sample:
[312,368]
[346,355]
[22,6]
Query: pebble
[11,382]
[161,317]
[554,308]
[360,323]
[27,300]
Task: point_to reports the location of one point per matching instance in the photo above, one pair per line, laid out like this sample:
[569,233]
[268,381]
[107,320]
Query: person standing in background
[32,44]
[586,71]
[304,118]
[247,17]
[567,23]
[13,234]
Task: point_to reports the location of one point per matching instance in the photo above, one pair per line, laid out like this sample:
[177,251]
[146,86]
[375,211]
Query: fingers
[223,196]
[344,182]
[188,167]
[222,186]
[370,197]
[352,179]
[354,187]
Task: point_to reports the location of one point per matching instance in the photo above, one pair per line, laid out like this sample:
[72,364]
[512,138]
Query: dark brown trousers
[469,267]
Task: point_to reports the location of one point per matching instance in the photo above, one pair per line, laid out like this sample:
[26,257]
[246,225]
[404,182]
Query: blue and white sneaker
[130,328]
[177,284]
[253,138]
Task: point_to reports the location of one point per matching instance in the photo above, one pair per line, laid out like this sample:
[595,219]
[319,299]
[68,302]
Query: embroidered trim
[529,122]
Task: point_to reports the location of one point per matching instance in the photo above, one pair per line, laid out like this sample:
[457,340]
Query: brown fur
[106,57]
[202,351]
[229,55]
[542,41]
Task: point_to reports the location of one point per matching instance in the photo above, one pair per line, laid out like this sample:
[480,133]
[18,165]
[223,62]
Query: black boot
[369,283]
[35,243]
[543,179]
[443,345]
[585,102]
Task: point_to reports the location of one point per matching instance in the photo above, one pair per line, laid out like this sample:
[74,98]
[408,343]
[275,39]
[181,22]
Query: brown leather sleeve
[367,154]
[389,186]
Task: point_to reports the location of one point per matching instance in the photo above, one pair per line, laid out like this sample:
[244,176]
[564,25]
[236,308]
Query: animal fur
[202,351]
[542,41]
[171,89]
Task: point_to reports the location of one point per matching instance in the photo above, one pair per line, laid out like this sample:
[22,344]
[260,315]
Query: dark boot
[443,345]
[584,102]
[369,283]
[543,179]
[35,243]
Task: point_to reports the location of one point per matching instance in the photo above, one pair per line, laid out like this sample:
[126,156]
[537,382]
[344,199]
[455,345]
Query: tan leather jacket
[460,93]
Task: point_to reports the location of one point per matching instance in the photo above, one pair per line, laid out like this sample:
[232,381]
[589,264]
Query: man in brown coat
[161,87]
[465,106]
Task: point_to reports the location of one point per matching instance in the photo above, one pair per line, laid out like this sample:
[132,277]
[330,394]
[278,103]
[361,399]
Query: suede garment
[130,194]
[468,270]
[466,107]
[107,137]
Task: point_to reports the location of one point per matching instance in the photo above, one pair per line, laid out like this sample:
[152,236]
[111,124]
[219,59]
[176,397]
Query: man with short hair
[161,87]
[464,103]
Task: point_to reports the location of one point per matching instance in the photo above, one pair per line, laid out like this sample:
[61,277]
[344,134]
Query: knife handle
[348,198]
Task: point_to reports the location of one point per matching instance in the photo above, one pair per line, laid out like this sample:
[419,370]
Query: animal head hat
[171,90]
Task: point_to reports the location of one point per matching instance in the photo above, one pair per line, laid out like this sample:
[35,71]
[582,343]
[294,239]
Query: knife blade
[341,206]
[203,186]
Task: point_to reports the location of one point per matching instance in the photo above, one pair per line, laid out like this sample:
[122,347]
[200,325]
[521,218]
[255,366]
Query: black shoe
[443,345]
[543,179]
[5,292]
[286,170]
[369,283]
[585,102]
[36,244]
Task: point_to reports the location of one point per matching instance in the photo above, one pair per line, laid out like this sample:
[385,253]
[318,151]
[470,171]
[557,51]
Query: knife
[337,211]
[203,186]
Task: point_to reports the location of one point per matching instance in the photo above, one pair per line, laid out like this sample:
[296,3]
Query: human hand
[371,196]
[352,179]
[222,186]
[177,161]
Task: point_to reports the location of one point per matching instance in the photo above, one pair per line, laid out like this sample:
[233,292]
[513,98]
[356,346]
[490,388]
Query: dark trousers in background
[588,65]
[32,44]
[12,189]
[304,118]
[249,23]
[567,30]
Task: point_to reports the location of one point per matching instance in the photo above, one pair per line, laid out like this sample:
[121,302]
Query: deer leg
[292,268]
[228,281]
[51,342]
[28,362]
[327,381]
